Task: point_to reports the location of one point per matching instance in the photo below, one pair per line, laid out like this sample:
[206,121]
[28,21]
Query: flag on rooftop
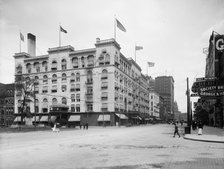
[120,26]
[62,30]
[151,64]
[138,47]
[21,37]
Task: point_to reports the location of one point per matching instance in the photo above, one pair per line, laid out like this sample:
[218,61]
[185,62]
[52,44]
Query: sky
[172,33]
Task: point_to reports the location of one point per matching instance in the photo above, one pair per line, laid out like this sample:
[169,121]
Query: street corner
[204,138]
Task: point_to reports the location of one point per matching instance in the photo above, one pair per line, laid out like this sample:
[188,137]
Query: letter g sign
[219,44]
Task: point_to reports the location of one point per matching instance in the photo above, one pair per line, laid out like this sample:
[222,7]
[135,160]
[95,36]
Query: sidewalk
[209,134]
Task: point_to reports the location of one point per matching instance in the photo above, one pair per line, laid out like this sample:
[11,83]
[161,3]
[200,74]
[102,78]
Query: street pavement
[209,134]
[137,147]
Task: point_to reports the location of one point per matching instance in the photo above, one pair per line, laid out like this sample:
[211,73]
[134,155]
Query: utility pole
[188,110]
[34,97]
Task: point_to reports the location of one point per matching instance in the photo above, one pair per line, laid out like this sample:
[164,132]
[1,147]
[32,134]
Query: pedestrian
[87,126]
[200,127]
[176,130]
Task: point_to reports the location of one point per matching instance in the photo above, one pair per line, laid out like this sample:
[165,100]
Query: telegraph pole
[188,109]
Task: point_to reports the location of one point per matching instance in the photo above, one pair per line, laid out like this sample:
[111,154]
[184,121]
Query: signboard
[219,43]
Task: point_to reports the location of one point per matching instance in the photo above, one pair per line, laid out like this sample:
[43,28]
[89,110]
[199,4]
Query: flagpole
[19,42]
[59,34]
[135,52]
[115,27]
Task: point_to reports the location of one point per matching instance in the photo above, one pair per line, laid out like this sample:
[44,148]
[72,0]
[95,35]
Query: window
[72,88]
[78,108]
[104,107]
[104,85]
[101,59]
[89,76]
[107,59]
[72,107]
[64,100]
[44,65]
[19,69]
[64,77]
[63,64]
[90,60]
[104,74]
[78,97]
[73,97]
[45,79]
[77,87]
[89,90]
[37,67]
[54,79]
[54,89]
[28,68]
[104,96]
[54,101]
[72,77]
[54,65]
[45,89]
[83,61]
[63,88]
[77,77]
[36,81]
[37,106]
[89,107]
[75,62]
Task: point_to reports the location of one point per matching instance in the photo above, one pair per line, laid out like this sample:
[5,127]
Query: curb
[211,141]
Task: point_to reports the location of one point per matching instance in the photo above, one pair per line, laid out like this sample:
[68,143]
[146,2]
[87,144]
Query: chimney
[31,44]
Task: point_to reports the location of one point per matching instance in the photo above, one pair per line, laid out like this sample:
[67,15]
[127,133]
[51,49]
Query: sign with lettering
[219,43]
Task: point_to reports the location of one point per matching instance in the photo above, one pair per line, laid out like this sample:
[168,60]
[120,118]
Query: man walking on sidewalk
[176,130]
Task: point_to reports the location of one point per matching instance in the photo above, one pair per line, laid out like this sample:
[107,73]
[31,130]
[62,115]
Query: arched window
[83,61]
[90,60]
[75,62]
[37,106]
[63,64]
[45,79]
[101,59]
[89,76]
[54,78]
[36,66]
[54,101]
[77,77]
[107,59]
[36,81]
[104,74]
[45,105]
[19,69]
[45,100]
[64,77]
[72,77]
[54,65]
[28,68]
[64,100]
[44,65]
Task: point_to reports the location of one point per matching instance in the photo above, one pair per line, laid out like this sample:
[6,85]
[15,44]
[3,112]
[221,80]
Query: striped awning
[105,117]
[121,116]
[44,118]
[74,118]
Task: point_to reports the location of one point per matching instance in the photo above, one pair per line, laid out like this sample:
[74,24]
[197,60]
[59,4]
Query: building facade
[154,104]
[164,85]
[89,81]
[6,104]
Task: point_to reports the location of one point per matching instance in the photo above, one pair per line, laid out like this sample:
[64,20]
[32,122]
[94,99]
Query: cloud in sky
[173,32]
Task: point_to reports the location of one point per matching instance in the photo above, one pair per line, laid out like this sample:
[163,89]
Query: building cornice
[84,51]
[43,57]
[21,55]
[68,48]
[106,42]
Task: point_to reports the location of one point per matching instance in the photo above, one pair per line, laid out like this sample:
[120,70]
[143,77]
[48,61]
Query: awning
[44,118]
[53,118]
[17,119]
[37,118]
[74,118]
[105,117]
[121,116]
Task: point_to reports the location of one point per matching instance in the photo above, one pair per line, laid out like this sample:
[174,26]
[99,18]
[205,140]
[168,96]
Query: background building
[6,104]
[164,85]
[96,84]
[154,106]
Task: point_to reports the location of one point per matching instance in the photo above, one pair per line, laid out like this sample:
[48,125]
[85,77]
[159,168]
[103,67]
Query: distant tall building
[164,85]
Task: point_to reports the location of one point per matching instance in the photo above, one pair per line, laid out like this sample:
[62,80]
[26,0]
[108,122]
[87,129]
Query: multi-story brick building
[6,104]
[164,85]
[91,82]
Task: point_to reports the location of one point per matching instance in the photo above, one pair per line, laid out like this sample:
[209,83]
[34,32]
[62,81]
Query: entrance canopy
[121,116]
[105,117]
[74,118]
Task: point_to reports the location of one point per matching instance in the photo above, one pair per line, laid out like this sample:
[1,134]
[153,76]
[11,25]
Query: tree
[24,87]
[202,109]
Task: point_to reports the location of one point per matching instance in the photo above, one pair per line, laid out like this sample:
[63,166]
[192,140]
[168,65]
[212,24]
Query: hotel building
[90,82]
